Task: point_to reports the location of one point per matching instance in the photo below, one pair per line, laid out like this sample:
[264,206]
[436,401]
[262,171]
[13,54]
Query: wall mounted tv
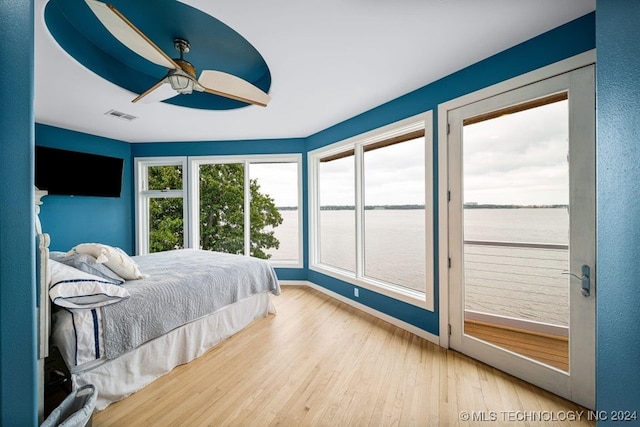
[63,172]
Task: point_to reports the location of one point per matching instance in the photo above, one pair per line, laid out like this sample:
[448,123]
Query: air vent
[120,115]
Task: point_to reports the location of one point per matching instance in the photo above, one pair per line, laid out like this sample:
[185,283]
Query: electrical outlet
[356,292]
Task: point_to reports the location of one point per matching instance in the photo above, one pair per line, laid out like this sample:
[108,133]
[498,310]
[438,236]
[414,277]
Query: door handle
[585,279]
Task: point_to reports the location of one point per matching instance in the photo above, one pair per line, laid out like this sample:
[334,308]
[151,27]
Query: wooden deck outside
[550,349]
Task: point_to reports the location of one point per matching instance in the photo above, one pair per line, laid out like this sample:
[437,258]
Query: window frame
[357,145]
[143,196]
[191,197]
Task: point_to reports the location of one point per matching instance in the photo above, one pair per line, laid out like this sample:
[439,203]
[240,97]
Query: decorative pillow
[72,288]
[114,258]
[88,264]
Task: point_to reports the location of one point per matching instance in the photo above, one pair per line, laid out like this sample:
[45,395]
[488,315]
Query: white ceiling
[329,59]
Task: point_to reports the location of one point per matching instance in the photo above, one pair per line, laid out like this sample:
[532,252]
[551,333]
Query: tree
[221,211]
[166,226]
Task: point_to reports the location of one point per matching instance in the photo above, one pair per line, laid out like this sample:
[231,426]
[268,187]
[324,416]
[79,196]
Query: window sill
[408,296]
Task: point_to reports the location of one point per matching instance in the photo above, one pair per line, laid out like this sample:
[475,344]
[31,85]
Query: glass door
[522,233]
[516,229]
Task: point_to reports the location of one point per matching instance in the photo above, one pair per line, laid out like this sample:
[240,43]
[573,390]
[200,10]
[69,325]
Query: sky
[517,159]
[394,175]
[278,180]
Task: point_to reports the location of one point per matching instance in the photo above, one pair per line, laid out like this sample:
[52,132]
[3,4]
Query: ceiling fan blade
[230,86]
[160,92]
[129,35]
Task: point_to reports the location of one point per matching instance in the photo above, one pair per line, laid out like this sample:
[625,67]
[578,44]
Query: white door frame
[579,61]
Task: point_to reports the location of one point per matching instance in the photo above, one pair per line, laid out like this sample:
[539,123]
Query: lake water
[518,225]
[403,230]
[515,282]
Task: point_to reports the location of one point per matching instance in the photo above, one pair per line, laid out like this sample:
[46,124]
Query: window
[160,205]
[394,215]
[371,216]
[275,185]
[337,218]
[248,206]
[221,207]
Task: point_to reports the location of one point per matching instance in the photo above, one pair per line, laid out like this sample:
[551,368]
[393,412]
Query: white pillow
[114,258]
[73,288]
[88,264]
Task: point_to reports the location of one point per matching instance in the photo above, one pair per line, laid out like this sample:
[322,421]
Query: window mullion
[359,208]
[186,201]
[193,201]
[315,231]
[158,194]
[143,223]
[247,210]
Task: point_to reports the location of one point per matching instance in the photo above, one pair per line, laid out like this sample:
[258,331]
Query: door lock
[585,279]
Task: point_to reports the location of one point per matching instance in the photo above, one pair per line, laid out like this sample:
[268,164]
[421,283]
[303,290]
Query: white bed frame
[44,304]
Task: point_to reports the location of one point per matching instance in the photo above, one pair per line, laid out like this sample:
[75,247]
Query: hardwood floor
[322,362]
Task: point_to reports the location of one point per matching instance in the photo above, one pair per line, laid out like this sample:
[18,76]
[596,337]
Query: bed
[136,318]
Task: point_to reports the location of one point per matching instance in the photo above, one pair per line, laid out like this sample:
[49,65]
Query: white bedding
[81,334]
[78,336]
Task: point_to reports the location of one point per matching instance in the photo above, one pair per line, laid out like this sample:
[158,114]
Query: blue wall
[218,148]
[79,219]
[618,206]
[18,384]
[561,43]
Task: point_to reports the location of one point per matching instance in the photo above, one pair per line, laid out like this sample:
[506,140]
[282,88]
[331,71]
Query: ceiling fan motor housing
[186,67]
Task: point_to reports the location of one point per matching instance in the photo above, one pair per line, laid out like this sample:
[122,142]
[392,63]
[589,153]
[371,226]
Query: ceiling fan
[181,75]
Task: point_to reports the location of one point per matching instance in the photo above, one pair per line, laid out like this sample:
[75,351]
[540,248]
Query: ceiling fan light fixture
[180,83]
[183,79]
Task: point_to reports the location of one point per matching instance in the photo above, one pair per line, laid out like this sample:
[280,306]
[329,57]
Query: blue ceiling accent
[214,46]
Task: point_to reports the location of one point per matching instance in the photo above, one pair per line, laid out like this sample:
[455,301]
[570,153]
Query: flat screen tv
[63,172]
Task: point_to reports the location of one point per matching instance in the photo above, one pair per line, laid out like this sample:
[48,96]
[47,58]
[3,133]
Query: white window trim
[423,300]
[190,194]
[143,195]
